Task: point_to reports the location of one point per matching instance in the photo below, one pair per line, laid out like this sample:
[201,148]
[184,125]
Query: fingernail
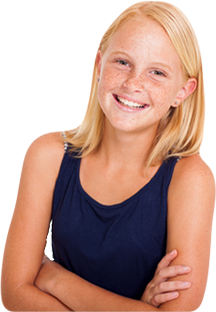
[175,295]
[186,284]
[173,252]
[186,268]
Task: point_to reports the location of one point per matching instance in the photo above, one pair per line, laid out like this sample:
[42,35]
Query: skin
[121,158]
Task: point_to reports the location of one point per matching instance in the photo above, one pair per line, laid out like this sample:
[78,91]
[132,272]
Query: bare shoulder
[193,165]
[194,174]
[49,144]
[192,190]
[46,152]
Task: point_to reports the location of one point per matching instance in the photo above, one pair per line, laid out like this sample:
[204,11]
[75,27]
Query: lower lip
[127,108]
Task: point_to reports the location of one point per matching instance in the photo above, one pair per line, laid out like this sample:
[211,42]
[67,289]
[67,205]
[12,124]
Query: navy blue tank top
[116,247]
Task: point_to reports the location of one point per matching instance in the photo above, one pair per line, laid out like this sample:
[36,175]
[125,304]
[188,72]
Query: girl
[128,187]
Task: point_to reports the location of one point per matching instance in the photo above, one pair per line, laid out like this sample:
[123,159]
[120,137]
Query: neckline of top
[118,205]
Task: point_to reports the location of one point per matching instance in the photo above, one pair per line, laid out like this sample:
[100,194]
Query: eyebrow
[153,63]
[163,65]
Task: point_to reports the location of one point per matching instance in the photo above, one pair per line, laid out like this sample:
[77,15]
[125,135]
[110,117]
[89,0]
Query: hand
[159,290]
[46,273]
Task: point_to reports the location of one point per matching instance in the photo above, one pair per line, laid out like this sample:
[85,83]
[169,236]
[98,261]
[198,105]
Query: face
[140,77]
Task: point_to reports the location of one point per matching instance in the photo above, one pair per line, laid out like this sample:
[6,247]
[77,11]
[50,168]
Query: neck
[126,149]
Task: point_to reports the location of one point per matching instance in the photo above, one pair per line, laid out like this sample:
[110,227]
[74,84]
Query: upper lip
[130,99]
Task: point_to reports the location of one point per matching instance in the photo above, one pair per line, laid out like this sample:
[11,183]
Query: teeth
[129,103]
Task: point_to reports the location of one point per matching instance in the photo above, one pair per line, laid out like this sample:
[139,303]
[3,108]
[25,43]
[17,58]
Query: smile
[130,104]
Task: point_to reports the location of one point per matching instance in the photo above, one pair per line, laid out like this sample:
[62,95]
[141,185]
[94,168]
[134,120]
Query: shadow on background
[17,109]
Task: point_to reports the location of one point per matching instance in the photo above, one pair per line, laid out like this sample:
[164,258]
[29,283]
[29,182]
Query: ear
[188,88]
[99,63]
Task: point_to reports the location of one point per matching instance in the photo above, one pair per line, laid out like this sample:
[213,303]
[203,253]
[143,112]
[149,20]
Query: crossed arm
[81,295]
[190,210]
[53,279]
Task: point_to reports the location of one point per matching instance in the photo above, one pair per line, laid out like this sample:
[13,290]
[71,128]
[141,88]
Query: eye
[122,62]
[158,73]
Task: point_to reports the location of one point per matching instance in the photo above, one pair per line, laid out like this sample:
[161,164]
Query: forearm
[27,297]
[80,295]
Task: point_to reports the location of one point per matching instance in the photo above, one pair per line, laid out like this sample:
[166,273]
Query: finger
[162,298]
[170,287]
[171,271]
[165,262]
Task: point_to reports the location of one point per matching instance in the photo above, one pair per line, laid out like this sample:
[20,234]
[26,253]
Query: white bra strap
[65,143]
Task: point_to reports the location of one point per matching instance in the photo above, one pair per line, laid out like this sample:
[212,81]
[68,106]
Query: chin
[126,128]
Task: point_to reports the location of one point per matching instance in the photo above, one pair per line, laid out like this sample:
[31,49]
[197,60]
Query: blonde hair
[180,131]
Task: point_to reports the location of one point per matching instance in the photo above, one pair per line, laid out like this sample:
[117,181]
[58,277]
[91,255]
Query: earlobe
[176,103]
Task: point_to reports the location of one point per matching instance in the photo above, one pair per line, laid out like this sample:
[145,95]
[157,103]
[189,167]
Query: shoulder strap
[65,143]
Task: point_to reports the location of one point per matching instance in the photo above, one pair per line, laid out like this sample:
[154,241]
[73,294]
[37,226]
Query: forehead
[144,38]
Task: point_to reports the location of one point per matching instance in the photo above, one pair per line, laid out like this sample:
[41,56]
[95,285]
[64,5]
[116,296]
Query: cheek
[162,99]
[102,94]
[110,77]
[109,80]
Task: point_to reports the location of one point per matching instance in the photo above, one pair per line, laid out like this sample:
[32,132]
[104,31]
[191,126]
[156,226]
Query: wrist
[52,269]
[55,277]
[47,275]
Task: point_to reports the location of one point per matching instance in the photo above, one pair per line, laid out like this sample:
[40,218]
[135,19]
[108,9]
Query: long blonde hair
[180,131]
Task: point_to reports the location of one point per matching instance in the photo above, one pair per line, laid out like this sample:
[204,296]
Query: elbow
[4,304]
[10,296]
[5,293]
[7,299]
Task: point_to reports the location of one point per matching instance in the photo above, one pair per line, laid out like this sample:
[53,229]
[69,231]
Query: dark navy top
[116,247]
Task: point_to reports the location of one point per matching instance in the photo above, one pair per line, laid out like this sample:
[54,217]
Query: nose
[134,82]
